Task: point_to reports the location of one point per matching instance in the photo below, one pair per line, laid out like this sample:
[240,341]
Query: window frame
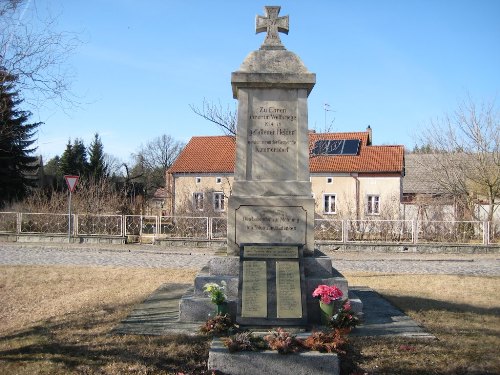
[371,201]
[220,200]
[329,196]
[196,201]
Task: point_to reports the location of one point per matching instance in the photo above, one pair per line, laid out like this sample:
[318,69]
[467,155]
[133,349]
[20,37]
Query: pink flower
[327,293]
[347,306]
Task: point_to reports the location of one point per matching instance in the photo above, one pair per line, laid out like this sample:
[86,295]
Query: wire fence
[215,228]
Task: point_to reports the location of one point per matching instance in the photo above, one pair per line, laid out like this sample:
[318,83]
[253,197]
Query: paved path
[150,256]
[457,264]
[145,256]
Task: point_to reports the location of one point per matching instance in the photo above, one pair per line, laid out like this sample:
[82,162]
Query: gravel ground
[149,256]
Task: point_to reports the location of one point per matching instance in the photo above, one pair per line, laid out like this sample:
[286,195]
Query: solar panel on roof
[336,147]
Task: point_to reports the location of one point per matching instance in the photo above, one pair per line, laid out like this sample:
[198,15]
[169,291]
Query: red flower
[327,293]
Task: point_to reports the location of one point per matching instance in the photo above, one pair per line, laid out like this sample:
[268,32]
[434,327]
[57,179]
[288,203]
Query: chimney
[369,130]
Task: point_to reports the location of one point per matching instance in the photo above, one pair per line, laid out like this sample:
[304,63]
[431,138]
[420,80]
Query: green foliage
[74,159]
[97,166]
[216,292]
[18,167]
[344,317]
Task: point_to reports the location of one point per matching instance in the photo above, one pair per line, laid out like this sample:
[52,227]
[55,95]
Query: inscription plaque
[264,224]
[270,252]
[288,293]
[254,292]
[273,136]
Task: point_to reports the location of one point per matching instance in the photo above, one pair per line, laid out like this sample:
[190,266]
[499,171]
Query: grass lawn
[56,320]
[463,312]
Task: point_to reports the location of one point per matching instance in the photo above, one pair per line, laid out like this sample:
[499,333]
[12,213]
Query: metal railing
[215,228]
[42,223]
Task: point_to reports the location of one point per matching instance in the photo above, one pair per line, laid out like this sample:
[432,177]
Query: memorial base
[270,362]
[195,306]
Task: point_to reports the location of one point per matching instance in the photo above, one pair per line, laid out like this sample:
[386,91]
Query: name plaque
[288,292]
[254,290]
[270,252]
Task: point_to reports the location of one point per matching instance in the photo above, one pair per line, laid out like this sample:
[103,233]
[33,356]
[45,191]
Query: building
[351,178]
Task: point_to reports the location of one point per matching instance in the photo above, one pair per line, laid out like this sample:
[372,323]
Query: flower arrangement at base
[219,325]
[216,292]
[344,318]
[327,295]
[244,341]
[326,342]
[283,341]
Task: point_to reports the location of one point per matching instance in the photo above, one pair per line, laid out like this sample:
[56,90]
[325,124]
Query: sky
[393,65]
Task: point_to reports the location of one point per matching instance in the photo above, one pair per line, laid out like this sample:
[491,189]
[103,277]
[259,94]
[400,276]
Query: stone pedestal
[195,306]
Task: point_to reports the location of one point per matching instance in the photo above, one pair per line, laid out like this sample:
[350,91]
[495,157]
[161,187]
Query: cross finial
[272,24]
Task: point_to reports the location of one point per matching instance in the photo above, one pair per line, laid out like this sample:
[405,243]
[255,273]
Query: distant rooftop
[216,154]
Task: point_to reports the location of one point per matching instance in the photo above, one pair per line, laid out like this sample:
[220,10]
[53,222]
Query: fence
[215,228]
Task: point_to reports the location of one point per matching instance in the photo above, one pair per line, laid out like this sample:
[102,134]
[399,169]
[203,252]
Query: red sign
[71,181]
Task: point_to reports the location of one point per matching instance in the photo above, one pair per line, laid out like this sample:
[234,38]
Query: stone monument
[270,268]
[271,209]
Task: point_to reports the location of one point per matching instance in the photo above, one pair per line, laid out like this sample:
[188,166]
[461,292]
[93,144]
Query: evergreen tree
[74,159]
[17,165]
[97,166]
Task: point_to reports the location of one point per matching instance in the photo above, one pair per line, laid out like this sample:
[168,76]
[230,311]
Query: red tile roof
[206,154]
[216,154]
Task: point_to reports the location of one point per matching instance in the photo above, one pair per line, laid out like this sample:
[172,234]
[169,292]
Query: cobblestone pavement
[111,256]
[457,264]
[150,256]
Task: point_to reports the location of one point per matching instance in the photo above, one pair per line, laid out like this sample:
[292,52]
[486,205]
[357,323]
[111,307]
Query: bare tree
[35,52]
[466,158]
[153,159]
[224,118]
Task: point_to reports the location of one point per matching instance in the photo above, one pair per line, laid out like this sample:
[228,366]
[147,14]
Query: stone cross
[272,24]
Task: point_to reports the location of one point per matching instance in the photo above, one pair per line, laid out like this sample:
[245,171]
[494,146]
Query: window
[329,204]
[198,180]
[218,180]
[329,180]
[198,201]
[219,201]
[373,206]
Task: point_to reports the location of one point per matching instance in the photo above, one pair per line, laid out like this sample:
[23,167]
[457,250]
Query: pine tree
[97,166]
[17,165]
[74,159]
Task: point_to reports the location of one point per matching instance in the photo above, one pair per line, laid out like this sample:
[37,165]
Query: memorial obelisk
[271,200]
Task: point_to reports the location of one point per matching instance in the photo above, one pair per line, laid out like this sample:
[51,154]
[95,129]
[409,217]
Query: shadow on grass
[83,340]
[427,304]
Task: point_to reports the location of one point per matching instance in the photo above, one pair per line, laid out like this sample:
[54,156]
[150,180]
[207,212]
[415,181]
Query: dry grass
[463,312]
[56,320]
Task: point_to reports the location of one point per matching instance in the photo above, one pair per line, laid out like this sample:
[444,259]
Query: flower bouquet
[217,295]
[327,295]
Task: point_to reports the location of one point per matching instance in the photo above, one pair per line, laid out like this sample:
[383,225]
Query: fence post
[414,229]
[208,228]
[19,219]
[345,231]
[486,232]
